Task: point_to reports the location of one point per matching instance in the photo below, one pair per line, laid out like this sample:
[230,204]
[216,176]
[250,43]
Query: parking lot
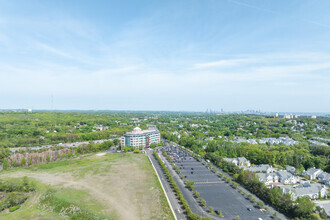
[218,194]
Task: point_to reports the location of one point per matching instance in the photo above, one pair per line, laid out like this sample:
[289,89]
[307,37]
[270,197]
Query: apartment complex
[139,138]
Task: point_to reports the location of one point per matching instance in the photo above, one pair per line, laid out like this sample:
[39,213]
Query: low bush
[14,208]
[50,202]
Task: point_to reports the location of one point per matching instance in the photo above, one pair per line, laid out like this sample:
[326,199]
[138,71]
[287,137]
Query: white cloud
[221,63]
[53,50]
[252,6]
[318,24]
[297,70]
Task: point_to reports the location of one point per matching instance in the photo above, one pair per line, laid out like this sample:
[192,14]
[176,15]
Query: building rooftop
[284,174]
[313,170]
[139,131]
[260,168]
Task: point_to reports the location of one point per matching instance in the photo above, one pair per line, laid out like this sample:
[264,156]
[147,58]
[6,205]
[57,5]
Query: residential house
[262,168]
[209,139]
[313,191]
[239,161]
[231,160]
[268,178]
[326,206]
[324,178]
[242,161]
[100,128]
[285,177]
[291,169]
[312,173]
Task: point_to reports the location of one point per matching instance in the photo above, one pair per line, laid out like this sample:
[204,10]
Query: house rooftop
[284,174]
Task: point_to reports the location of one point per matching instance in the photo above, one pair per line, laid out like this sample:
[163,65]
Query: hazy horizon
[171,55]
[214,111]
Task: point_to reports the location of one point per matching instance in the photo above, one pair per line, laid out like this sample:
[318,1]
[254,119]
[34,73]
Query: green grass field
[113,186]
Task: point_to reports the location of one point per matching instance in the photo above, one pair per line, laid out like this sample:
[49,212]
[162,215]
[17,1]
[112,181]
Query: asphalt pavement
[218,194]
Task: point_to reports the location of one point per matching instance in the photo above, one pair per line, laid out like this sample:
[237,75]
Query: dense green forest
[23,129]
[249,126]
[215,134]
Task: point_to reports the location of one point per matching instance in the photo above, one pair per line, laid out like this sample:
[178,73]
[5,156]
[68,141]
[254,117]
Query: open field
[112,186]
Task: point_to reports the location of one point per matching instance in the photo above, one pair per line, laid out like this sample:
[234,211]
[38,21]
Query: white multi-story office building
[141,138]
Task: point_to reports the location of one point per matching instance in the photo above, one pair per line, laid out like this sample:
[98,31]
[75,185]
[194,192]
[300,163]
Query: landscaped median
[174,186]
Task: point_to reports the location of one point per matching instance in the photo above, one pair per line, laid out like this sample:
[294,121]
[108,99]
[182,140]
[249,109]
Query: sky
[171,55]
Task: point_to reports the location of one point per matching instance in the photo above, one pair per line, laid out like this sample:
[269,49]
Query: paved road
[169,192]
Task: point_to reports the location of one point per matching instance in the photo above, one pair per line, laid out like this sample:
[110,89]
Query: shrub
[14,208]
[63,207]
[219,213]
[14,163]
[64,155]
[30,161]
[16,198]
[203,202]
[5,164]
[48,158]
[190,185]
[136,151]
[260,203]
[23,161]
[196,194]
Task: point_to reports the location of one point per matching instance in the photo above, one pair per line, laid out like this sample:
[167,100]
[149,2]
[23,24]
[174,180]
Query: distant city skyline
[165,55]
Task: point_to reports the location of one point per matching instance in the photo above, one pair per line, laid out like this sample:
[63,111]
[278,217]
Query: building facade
[139,138]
